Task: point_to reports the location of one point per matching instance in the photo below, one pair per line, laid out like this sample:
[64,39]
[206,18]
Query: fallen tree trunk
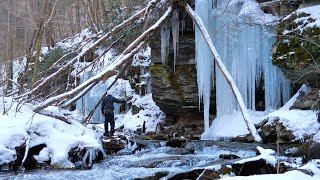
[132,49]
[226,74]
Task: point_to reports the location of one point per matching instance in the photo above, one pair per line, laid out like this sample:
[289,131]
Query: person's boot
[106,134]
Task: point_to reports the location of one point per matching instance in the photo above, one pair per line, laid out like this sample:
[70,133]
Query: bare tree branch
[134,48]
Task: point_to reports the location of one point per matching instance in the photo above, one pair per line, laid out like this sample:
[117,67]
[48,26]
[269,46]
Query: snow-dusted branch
[132,49]
[79,95]
[225,73]
[85,121]
[116,29]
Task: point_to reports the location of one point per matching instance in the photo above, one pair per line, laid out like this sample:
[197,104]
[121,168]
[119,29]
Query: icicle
[183,25]
[175,35]
[165,45]
[91,154]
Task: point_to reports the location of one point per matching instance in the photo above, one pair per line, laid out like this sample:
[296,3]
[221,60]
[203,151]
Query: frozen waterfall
[239,32]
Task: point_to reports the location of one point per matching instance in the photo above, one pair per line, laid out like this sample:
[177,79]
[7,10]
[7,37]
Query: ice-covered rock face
[297,50]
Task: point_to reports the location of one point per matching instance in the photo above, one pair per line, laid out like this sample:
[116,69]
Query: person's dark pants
[109,118]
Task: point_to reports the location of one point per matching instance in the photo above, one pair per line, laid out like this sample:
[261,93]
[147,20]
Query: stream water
[155,157]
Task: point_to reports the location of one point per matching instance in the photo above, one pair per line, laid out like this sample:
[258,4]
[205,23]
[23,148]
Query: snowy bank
[144,111]
[29,129]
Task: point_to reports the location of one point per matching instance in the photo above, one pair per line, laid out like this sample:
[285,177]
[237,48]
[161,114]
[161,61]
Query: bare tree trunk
[49,30]
[104,13]
[36,57]
[10,48]
[78,18]
[226,74]
[90,17]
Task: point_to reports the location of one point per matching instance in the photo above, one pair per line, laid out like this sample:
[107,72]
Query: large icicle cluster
[205,65]
[244,44]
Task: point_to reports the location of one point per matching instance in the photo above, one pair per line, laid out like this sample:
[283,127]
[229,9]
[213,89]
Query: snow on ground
[303,123]
[313,167]
[266,154]
[231,125]
[76,41]
[311,20]
[59,137]
[148,112]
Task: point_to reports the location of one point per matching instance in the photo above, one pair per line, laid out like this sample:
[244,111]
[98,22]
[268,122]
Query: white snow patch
[301,122]
[149,112]
[58,136]
[231,125]
[266,154]
[313,166]
[312,12]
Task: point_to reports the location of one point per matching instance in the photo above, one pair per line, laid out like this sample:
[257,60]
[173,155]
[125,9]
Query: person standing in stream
[107,111]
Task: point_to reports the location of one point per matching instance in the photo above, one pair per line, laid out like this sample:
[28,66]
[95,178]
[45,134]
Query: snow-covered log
[225,73]
[132,49]
[107,36]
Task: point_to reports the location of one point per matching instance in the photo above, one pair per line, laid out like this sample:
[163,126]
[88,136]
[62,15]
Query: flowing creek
[155,157]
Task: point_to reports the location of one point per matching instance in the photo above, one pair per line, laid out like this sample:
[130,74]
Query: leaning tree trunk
[225,73]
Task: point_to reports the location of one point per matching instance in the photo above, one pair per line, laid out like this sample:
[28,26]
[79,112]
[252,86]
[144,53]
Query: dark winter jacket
[107,103]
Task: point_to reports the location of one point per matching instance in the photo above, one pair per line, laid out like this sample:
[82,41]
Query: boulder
[253,167]
[156,176]
[209,174]
[248,138]
[194,174]
[178,143]
[204,174]
[308,151]
[310,101]
[228,156]
[275,131]
[294,54]
[153,136]
[112,146]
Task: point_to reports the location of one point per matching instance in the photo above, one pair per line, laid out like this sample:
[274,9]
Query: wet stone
[308,151]
[112,146]
[253,167]
[228,156]
[194,174]
[156,176]
[177,143]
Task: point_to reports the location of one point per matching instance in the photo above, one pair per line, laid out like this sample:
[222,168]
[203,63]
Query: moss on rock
[297,50]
